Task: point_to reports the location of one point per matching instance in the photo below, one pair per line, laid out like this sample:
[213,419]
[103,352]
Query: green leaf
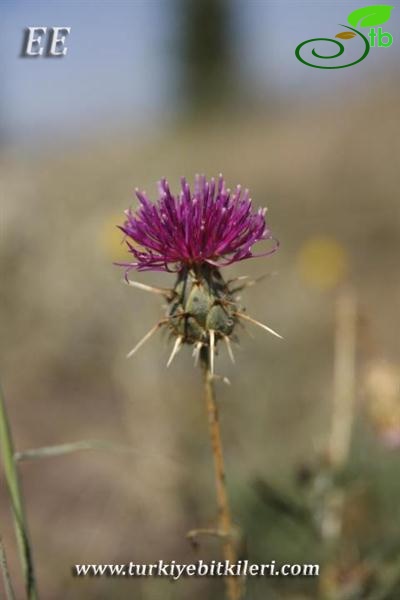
[369,16]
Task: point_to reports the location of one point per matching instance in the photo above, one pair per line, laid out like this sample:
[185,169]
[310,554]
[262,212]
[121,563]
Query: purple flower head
[209,225]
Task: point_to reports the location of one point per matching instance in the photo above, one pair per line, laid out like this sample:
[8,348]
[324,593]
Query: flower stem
[14,487]
[233,584]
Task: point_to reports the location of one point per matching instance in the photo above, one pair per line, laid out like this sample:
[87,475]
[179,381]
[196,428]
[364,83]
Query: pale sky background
[121,61]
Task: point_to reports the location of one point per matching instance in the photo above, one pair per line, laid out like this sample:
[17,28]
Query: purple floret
[211,225]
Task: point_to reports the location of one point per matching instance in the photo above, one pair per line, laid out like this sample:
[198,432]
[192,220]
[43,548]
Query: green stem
[14,487]
[6,575]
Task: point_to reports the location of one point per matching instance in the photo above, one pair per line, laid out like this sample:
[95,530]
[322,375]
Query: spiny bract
[201,302]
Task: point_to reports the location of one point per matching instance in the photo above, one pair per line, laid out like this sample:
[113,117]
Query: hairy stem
[233,584]
[14,487]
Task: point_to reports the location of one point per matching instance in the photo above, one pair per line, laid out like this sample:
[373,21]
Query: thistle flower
[193,235]
[209,226]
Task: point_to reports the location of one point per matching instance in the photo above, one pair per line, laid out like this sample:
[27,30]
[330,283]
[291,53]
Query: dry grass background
[329,168]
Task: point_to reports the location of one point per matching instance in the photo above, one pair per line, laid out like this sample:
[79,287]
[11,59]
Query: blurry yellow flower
[111,239]
[322,262]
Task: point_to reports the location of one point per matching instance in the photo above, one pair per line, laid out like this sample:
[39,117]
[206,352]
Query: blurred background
[311,425]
